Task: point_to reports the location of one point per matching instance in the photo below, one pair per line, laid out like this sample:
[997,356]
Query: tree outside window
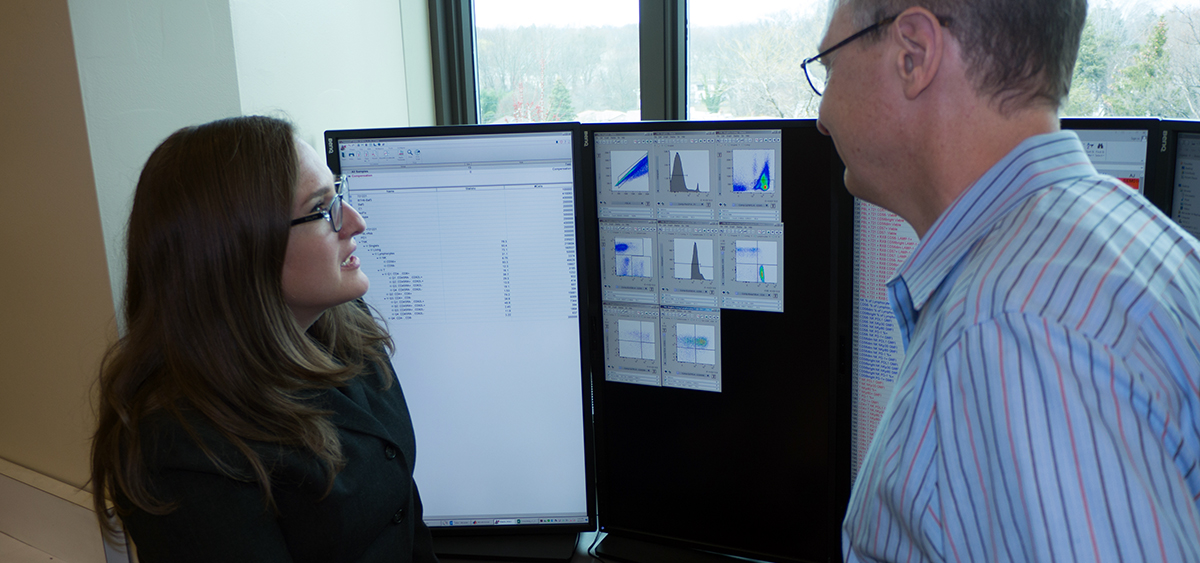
[1136,58]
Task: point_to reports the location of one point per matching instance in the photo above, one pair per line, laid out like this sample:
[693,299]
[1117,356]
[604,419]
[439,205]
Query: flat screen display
[1185,201]
[722,408]
[472,248]
[1118,152]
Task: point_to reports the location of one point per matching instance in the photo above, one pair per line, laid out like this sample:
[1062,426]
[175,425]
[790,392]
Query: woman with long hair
[250,412]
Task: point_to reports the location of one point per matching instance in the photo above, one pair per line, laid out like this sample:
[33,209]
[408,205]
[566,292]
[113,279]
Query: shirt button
[389,452]
[398,517]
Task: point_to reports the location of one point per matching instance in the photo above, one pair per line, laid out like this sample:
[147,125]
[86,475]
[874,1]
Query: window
[541,60]
[557,61]
[1138,59]
[744,58]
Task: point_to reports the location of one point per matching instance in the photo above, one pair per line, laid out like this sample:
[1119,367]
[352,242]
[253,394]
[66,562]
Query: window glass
[544,60]
[548,60]
[1138,58]
[744,58]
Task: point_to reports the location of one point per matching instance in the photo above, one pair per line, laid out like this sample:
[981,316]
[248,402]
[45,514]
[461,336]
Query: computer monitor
[472,247]
[1182,156]
[1120,147]
[722,402]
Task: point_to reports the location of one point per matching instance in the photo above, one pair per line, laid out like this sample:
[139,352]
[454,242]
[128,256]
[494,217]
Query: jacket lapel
[349,407]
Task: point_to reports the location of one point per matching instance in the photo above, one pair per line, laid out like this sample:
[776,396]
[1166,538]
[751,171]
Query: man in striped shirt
[1048,407]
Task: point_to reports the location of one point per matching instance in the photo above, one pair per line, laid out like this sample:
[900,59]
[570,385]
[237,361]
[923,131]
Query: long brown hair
[207,328]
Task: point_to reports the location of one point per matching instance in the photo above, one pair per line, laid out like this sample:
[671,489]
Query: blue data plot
[757,261]
[636,339]
[631,171]
[754,171]
[696,343]
[634,257]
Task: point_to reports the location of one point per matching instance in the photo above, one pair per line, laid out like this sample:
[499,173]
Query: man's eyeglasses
[816,74]
[333,213]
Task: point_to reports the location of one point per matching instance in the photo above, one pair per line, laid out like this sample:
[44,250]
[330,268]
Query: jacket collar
[349,407]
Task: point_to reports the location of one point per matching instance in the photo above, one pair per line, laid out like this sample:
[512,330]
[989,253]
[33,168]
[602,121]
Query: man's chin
[853,185]
[862,190]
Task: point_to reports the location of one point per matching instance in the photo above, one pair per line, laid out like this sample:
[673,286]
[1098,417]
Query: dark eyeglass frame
[333,213]
[945,22]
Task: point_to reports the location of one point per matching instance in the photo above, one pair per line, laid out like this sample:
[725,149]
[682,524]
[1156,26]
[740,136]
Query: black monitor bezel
[588,295]
[648,545]
[1171,128]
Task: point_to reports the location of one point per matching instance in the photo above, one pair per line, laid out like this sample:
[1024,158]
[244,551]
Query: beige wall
[87,89]
[58,311]
[146,68]
[330,65]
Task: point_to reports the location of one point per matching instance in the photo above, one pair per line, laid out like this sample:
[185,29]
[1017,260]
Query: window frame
[452,45]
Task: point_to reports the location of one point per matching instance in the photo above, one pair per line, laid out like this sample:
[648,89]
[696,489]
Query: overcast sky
[516,13]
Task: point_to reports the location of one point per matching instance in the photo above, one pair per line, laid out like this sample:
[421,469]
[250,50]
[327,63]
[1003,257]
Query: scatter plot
[757,261]
[634,257]
[695,343]
[754,171]
[635,339]
[631,171]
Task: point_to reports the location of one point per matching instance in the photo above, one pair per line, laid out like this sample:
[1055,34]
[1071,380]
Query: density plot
[631,171]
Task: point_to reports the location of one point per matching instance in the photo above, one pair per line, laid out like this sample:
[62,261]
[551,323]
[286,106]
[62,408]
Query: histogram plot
[696,344]
[693,259]
[689,172]
[630,171]
[634,257]
[754,171]
[757,261]
[635,339]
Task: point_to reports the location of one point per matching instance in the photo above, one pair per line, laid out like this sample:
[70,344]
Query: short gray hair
[1019,52]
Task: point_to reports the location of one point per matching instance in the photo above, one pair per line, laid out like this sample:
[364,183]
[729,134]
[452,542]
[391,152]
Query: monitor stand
[531,547]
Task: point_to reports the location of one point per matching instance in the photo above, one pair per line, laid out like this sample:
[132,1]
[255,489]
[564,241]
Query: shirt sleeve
[1052,447]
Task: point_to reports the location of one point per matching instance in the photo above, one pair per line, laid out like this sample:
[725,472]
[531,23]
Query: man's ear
[921,41]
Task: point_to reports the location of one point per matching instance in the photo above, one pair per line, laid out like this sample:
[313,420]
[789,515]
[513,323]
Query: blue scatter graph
[635,339]
[696,343]
[631,171]
[634,257]
[754,171]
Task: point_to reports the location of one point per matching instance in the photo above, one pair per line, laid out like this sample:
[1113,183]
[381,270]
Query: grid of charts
[690,225]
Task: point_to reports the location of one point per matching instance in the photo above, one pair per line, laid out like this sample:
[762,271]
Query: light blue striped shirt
[1048,405]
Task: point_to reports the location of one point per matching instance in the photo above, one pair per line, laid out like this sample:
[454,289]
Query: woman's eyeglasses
[333,213]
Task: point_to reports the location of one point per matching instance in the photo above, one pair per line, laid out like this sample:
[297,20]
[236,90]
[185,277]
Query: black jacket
[372,514]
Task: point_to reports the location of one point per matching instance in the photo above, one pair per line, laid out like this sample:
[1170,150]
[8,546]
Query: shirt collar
[1037,162]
